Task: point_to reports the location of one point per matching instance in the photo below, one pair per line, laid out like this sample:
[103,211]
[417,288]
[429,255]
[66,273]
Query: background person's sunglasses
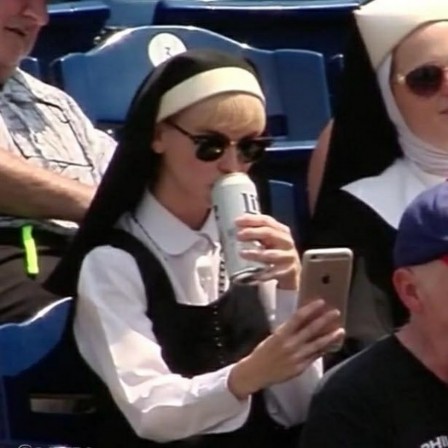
[425,80]
[210,147]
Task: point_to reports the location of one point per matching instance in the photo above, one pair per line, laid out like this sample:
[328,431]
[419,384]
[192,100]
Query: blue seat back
[105,79]
[306,24]
[284,205]
[335,68]
[72,27]
[32,66]
[127,13]
[43,384]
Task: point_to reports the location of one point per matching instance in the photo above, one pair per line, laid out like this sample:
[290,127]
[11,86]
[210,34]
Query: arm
[33,192]
[115,337]
[316,167]
[288,402]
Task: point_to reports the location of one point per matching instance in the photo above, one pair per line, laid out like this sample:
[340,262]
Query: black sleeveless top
[196,340]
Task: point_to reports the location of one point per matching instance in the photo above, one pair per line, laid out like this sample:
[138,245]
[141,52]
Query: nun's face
[235,116]
[424,110]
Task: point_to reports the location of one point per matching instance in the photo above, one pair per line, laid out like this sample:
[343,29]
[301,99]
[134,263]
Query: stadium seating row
[316,25]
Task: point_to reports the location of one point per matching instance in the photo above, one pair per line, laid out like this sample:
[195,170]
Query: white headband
[207,84]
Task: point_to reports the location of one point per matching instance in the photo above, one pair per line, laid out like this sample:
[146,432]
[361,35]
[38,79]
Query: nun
[184,357]
[388,143]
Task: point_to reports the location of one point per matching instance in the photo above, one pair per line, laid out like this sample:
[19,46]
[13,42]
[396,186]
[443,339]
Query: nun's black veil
[134,166]
[364,140]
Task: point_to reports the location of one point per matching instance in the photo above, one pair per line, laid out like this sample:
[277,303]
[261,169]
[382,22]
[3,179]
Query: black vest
[196,340]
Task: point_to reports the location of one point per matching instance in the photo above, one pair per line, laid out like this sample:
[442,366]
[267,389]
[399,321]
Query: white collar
[389,193]
[170,234]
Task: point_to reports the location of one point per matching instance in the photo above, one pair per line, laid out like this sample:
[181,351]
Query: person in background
[51,160]
[388,142]
[395,394]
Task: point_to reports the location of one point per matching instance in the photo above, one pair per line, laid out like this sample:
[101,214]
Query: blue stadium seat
[31,66]
[104,80]
[44,389]
[127,13]
[73,27]
[317,25]
[285,206]
[335,67]
[294,81]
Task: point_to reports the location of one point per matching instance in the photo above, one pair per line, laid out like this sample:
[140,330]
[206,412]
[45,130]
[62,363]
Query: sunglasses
[210,147]
[425,80]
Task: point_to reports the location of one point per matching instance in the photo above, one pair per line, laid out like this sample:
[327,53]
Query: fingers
[317,327]
[265,229]
[302,317]
[270,256]
[281,262]
[319,346]
[249,220]
[269,237]
[311,352]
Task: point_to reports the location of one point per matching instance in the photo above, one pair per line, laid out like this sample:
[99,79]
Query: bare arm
[29,191]
[317,165]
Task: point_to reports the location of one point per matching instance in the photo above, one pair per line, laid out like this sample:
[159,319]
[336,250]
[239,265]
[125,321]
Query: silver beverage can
[234,195]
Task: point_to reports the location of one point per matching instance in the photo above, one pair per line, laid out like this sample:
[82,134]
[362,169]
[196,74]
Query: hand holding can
[233,196]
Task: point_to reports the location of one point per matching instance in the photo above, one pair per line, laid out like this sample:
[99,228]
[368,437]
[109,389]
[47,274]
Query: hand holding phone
[326,274]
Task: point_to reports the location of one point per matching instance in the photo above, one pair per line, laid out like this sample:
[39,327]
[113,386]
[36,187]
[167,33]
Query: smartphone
[326,274]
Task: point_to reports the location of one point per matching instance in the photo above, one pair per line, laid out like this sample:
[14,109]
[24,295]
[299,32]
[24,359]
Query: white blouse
[115,336]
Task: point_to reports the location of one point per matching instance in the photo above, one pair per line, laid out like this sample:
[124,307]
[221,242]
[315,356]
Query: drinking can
[234,195]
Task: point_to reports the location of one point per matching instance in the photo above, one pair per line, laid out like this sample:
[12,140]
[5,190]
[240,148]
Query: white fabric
[116,338]
[427,157]
[393,190]
[208,84]
[384,23]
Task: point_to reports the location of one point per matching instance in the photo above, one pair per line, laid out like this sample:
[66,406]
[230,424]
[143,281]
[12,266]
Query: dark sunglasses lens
[210,148]
[425,80]
[253,150]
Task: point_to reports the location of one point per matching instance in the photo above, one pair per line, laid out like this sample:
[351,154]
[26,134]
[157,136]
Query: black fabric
[22,296]
[383,398]
[374,309]
[363,143]
[196,340]
[134,166]
[364,140]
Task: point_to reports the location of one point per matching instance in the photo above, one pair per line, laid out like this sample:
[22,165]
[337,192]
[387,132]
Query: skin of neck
[5,73]
[190,211]
[430,349]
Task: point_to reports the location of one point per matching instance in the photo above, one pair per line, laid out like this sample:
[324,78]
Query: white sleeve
[115,337]
[288,402]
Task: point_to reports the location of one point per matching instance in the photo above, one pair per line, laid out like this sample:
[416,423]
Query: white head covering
[384,23]
[427,157]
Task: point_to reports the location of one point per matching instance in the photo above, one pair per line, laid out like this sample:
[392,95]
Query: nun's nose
[230,161]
